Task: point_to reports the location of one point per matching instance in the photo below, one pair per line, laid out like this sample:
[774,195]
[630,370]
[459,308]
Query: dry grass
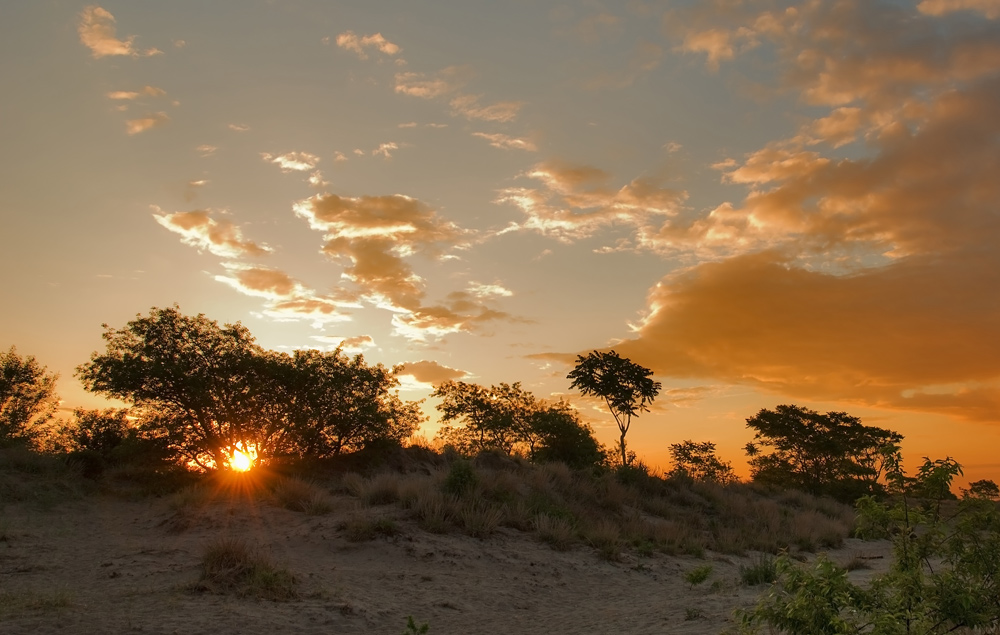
[18,603]
[301,496]
[365,526]
[232,566]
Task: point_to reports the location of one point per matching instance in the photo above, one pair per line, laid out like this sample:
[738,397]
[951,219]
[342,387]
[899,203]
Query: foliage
[698,461]
[341,404]
[831,454]
[985,489]
[626,387]
[27,397]
[510,420]
[230,565]
[696,576]
[207,390]
[762,569]
[461,478]
[413,629]
[942,579]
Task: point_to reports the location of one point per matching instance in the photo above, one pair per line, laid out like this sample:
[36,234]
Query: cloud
[148,122]
[206,150]
[292,161]
[198,229]
[349,41]
[468,106]
[97,32]
[574,201]
[385,149]
[429,372]
[260,281]
[372,237]
[426,86]
[989,8]
[489,290]
[917,334]
[350,345]
[238,127]
[505,142]
[150,91]
[287,299]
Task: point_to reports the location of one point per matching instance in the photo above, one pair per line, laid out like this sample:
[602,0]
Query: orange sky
[765,202]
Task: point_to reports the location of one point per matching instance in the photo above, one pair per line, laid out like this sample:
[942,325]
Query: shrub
[696,576]
[461,478]
[762,569]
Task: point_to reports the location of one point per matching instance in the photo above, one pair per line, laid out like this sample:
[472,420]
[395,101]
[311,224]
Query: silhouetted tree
[339,404]
[626,387]
[511,420]
[208,390]
[27,397]
[699,462]
[832,453]
[985,489]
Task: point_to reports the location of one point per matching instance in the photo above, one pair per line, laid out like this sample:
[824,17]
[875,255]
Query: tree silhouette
[626,387]
[27,396]
[698,461]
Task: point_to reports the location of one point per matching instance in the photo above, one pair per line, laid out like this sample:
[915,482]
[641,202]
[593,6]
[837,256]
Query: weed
[761,570]
[696,576]
[230,565]
[413,629]
[691,614]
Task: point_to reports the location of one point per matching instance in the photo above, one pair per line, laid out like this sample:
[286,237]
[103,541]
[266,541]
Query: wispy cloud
[198,229]
[430,372]
[147,122]
[469,107]
[292,161]
[506,142]
[97,32]
[149,91]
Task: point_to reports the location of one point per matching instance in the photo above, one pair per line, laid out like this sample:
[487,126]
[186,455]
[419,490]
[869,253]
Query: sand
[107,565]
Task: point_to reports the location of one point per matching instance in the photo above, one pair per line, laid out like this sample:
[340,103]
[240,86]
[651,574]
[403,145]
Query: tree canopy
[511,420]
[698,461]
[27,396]
[625,386]
[210,390]
[832,453]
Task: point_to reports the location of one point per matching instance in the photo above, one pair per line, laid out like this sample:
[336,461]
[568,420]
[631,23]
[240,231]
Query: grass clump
[559,533]
[301,496]
[232,566]
[762,569]
[365,527]
[696,576]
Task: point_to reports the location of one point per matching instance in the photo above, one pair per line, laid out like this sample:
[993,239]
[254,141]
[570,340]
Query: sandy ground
[107,565]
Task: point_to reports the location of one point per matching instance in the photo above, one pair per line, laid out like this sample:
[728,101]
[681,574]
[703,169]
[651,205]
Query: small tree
[494,418]
[561,437]
[27,397]
[699,462]
[832,454]
[985,489]
[626,387]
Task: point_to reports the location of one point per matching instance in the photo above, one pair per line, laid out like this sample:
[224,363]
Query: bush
[230,565]
[763,569]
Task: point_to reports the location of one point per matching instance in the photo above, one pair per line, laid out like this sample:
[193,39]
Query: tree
[511,420]
[27,396]
[832,454]
[626,387]
[698,461]
[208,390]
[494,418]
[942,578]
[985,489]
[339,404]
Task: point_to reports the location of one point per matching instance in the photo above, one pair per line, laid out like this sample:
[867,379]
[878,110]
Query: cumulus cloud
[287,299]
[198,229]
[349,41]
[372,237]
[506,142]
[97,32]
[148,122]
[430,372]
[916,334]
[574,201]
[385,150]
[292,161]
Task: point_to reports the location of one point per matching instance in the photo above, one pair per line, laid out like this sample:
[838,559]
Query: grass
[19,603]
[761,570]
[232,566]
[365,527]
[301,496]
[696,576]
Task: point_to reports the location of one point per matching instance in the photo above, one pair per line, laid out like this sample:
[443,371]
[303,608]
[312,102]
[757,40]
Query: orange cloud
[292,161]
[989,8]
[429,372]
[97,32]
[917,334]
[576,200]
[150,91]
[468,106]
[425,86]
[198,229]
[142,124]
[349,41]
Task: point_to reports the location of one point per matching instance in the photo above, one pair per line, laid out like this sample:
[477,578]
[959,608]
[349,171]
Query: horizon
[764,203]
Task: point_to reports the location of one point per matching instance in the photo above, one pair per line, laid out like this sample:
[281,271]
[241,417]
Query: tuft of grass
[696,576]
[365,527]
[857,562]
[605,537]
[558,532]
[479,520]
[461,478]
[382,489]
[691,614]
[301,496]
[232,566]
[761,570]
[433,513]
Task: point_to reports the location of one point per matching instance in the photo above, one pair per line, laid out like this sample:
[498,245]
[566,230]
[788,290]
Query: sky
[764,202]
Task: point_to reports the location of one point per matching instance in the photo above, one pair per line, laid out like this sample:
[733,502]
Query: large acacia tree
[626,387]
[832,453]
[208,390]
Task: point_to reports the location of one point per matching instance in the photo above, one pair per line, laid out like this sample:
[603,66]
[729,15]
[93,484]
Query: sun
[242,461]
